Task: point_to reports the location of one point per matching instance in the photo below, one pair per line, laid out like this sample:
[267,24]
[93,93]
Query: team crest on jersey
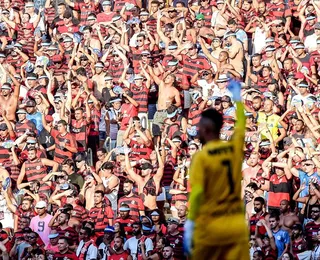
[67,234]
[129,224]
[278,237]
[38,167]
[177,241]
[133,202]
[73,213]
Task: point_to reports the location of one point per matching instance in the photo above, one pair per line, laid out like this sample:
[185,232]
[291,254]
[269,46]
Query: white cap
[41,204]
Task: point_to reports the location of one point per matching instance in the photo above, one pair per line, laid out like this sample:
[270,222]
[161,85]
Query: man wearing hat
[40,223]
[174,237]
[107,14]
[24,125]
[148,183]
[125,220]
[235,51]
[133,244]
[33,115]
[9,99]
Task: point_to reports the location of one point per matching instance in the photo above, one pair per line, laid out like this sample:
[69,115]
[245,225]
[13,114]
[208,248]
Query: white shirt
[132,244]
[205,86]
[310,43]
[92,251]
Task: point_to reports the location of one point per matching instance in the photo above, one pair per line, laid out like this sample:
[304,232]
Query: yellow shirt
[217,168]
[272,123]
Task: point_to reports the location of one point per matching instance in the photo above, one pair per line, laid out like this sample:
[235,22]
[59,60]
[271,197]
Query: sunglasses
[205,74]
[31,237]
[315,211]
[115,55]
[82,233]
[172,11]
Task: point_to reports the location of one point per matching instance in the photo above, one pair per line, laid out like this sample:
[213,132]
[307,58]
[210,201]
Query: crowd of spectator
[99,111]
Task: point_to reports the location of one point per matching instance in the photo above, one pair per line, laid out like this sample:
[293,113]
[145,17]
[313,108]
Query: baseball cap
[200,17]
[299,46]
[41,204]
[138,76]
[106,3]
[124,208]
[146,166]
[173,220]
[270,48]
[21,111]
[2,55]
[173,47]
[173,63]
[31,141]
[29,4]
[108,78]
[3,127]
[172,114]
[99,65]
[310,17]
[56,58]
[30,103]
[6,86]
[67,39]
[52,48]
[154,213]
[303,84]
[54,235]
[144,13]
[109,229]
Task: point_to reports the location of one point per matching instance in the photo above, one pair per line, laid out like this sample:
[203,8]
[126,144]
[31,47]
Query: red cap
[29,26]
[55,58]
[49,118]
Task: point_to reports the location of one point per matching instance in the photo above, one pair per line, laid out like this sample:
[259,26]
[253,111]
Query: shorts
[102,135]
[237,251]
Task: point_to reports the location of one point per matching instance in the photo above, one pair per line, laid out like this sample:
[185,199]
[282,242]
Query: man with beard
[86,249]
[282,237]
[125,220]
[133,244]
[60,222]
[119,252]
[148,183]
[64,251]
[101,213]
[24,210]
[134,201]
[260,213]
[167,252]
[30,251]
[287,218]
[298,241]
[312,228]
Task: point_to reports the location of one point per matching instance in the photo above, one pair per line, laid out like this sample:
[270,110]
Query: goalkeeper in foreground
[216,225]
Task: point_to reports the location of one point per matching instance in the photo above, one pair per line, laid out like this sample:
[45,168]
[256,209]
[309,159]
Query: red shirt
[123,256]
[128,111]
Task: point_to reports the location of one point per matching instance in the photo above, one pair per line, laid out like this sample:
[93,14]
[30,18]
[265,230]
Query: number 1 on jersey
[227,163]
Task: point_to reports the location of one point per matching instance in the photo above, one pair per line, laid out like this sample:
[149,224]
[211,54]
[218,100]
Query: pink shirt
[40,225]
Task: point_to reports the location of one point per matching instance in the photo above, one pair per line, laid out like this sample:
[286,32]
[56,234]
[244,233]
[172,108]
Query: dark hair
[87,230]
[171,109]
[68,162]
[276,215]
[99,192]
[232,22]
[63,122]
[88,27]
[260,199]
[128,181]
[107,166]
[215,117]
[81,71]
[103,150]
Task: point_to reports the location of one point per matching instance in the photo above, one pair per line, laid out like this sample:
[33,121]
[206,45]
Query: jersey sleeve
[197,173]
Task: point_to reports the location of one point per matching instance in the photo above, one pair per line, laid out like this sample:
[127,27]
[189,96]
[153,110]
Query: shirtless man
[236,53]
[251,171]
[9,99]
[168,95]
[148,184]
[98,79]
[222,63]
[287,218]
[89,41]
